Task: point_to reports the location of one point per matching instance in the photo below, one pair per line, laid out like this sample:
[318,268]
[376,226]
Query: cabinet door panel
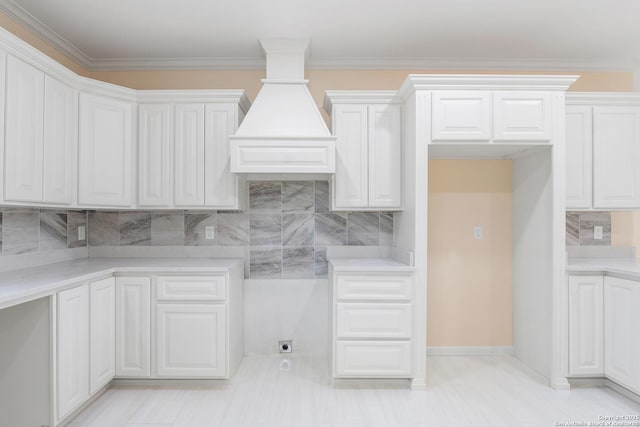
[373,359]
[383,320]
[616,156]
[103,333]
[24,132]
[461,116]
[385,156]
[221,186]
[72,352]
[155,141]
[579,142]
[191,340]
[586,325]
[105,145]
[522,116]
[189,155]
[350,183]
[133,327]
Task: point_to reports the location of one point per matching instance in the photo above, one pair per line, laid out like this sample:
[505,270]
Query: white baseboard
[471,351]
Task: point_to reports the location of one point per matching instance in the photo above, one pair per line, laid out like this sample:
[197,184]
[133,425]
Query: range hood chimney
[283,131]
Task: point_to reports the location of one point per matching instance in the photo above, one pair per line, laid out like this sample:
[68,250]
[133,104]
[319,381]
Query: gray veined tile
[135,228]
[104,229]
[297,230]
[265,229]
[321,262]
[233,229]
[363,228]
[590,219]
[298,263]
[194,228]
[265,196]
[76,219]
[321,189]
[167,229]
[298,197]
[330,229]
[265,263]
[386,229]
[573,229]
[20,232]
[53,230]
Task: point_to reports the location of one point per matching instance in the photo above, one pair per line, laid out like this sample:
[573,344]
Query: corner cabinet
[183,151]
[371,324]
[105,151]
[603,151]
[367,127]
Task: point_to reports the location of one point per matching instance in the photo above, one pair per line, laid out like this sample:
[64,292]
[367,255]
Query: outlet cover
[210,232]
[477,232]
[597,232]
[82,232]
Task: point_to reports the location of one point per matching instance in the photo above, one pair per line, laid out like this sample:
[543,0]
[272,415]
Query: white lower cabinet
[586,326]
[622,332]
[72,350]
[190,340]
[372,324]
[102,336]
[133,327]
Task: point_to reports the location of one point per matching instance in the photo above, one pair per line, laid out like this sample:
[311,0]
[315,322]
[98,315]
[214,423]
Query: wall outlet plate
[285,346]
[82,232]
[210,232]
[597,232]
[477,232]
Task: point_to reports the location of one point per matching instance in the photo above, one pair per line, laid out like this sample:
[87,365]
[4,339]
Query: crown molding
[602,98]
[39,28]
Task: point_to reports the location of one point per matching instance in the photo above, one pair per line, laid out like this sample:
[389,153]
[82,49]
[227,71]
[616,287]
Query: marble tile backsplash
[580,228]
[30,231]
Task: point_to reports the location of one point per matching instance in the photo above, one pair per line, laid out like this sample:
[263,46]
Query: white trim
[177,64]
[359,97]
[213,95]
[601,98]
[485,82]
[470,351]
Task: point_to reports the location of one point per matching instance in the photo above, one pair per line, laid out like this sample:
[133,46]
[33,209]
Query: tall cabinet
[183,151]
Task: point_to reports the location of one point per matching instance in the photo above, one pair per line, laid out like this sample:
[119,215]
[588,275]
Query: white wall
[533,276]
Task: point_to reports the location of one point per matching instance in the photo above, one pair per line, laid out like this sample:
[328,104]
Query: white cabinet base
[382,359]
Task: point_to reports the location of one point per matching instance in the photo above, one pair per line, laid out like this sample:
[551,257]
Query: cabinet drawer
[191,288]
[366,287]
[373,359]
[373,320]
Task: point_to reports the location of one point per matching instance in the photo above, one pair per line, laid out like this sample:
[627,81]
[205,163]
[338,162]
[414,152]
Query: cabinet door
[586,325]
[371,359]
[385,156]
[155,141]
[105,151]
[350,182]
[522,116]
[579,143]
[189,155]
[622,331]
[133,326]
[221,186]
[72,349]
[24,132]
[191,340]
[616,157]
[461,116]
[60,141]
[103,333]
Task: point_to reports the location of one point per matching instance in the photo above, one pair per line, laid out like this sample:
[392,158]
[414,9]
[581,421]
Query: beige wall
[469,293]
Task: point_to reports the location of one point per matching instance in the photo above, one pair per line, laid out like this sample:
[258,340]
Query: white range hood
[283,132]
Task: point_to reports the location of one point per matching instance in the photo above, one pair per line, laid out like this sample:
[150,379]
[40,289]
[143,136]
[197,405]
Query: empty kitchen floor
[273,391]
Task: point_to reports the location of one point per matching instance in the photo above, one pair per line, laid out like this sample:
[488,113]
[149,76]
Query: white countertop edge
[29,285]
[369,264]
[628,268]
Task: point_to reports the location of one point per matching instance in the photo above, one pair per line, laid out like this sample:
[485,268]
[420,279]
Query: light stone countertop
[628,268]
[29,284]
[369,264]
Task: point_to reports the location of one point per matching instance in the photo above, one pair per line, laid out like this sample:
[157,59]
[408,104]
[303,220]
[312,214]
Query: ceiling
[410,34]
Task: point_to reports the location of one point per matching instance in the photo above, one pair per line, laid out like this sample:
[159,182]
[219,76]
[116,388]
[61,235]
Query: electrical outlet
[82,232]
[285,346]
[210,232]
[597,232]
[477,232]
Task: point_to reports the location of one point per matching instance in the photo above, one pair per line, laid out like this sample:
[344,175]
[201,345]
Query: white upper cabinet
[189,155]
[24,132]
[522,116]
[106,150]
[616,157]
[368,151]
[579,160]
[155,145]
[463,116]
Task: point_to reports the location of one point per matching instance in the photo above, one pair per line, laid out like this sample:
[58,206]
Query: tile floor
[462,391]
